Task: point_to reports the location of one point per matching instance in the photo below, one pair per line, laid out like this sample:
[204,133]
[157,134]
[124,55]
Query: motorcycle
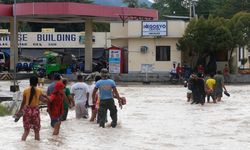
[174,78]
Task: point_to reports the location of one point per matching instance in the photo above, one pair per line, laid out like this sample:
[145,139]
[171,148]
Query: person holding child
[107,90]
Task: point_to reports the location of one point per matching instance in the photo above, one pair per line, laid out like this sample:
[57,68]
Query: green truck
[54,62]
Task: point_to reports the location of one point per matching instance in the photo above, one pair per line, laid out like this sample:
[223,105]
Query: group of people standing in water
[205,87]
[59,98]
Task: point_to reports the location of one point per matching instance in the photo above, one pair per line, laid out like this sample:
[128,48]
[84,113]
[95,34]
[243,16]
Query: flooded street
[155,117]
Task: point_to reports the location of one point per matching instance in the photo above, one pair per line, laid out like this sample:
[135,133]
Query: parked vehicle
[4,61]
[174,78]
[24,64]
[97,64]
[54,62]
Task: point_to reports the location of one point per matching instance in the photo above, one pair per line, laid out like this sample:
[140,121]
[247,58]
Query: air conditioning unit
[144,49]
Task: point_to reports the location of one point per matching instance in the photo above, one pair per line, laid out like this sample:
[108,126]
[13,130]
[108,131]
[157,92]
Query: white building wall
[118,30]
[122,43]
[176,28]
[137,58]
[134,28]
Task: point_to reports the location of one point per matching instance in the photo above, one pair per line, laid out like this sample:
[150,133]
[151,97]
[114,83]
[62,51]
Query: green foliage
[243,61]
[205,36]
[171,7]
[3,111]
[230,7]
[239,27]
[131,3]
[205,8]
[222,38]
[143,5]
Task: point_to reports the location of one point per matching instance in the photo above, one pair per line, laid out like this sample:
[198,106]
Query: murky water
[155,117]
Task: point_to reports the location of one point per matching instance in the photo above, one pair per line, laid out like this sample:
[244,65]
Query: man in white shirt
[173,73]
[80,92]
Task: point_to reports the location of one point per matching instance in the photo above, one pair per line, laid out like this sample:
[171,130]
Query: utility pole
[193,4]
[192,13]
[14,87]
[190,9]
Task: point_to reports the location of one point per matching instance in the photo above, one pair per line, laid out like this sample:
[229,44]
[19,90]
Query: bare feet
[56,128]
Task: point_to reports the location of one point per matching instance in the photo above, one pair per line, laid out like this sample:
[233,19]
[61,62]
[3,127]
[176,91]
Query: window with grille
[162,53]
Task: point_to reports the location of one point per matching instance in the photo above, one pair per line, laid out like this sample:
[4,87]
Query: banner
[114,61]
[49,40]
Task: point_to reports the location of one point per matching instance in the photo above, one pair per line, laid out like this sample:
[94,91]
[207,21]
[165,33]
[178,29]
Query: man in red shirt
[226,73]
[179,71]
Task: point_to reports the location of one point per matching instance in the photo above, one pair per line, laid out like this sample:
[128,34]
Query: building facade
[149,43]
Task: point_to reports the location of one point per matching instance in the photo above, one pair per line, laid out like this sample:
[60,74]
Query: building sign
[147,68]
[48,29]
[154,28]
[114,61]
[45,40]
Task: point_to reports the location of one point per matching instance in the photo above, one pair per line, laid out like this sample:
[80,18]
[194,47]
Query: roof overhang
[65,12]
[184,18]
[5,12]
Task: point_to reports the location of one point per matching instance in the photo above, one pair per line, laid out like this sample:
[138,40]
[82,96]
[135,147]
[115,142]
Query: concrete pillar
[13,45]
[88,45]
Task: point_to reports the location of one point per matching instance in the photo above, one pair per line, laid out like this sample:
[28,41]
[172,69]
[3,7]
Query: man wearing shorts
[219,85]
[80,92]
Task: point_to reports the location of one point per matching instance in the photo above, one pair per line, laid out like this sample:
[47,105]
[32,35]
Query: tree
[205,8]
[131,3]
[203,38]
[230,7]
[239,27]
[171,7]
[143,5]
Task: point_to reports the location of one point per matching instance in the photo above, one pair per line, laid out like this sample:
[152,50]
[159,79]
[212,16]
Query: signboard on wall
[154,28]
[114,61]
[46,40]
[147,68]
